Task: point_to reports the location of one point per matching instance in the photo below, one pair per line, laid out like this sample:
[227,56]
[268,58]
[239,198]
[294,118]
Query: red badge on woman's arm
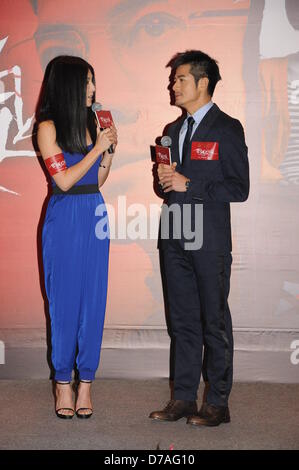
[55,164]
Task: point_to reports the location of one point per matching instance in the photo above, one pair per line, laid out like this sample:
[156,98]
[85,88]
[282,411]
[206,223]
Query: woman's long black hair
[63,100]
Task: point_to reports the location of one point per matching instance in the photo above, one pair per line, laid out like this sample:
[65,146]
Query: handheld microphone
[163,153]
[104,119]
[96,107]
[166,141]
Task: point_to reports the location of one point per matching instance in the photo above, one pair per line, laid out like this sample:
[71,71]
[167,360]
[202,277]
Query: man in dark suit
[209,170]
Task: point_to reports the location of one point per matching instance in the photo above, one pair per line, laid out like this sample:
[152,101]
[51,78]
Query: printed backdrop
[129,43]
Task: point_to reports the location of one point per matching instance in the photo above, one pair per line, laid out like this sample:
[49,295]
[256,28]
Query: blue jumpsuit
[76,273]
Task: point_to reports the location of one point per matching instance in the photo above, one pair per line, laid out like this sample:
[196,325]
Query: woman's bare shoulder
[46,138]
[47,126]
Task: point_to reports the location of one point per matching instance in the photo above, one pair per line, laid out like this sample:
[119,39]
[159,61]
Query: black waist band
[80,189]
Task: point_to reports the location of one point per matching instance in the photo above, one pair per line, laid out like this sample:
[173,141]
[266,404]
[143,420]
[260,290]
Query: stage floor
[264,416]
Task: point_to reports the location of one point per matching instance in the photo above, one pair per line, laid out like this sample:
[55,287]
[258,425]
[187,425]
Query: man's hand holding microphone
[170,179]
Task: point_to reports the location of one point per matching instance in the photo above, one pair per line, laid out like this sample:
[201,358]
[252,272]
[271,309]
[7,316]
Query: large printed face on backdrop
[128,42]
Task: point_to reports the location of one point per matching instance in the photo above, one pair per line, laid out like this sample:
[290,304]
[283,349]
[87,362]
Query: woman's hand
[114,132]
[106,138]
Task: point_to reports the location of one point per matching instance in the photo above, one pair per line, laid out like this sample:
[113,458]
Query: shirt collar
[201,112]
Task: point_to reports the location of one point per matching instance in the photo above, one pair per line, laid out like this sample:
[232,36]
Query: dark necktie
[187,139]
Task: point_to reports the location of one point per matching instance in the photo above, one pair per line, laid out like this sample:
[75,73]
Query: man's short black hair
[201,65]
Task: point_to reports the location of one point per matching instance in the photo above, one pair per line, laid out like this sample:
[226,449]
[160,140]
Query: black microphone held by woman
[104,119]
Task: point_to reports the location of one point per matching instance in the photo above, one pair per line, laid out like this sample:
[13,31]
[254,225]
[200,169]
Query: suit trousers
[198,287]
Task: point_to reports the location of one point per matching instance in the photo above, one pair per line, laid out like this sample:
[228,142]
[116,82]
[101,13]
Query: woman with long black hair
[75,260]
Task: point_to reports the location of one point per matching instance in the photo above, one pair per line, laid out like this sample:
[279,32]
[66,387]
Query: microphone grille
[166,141]
[96,107]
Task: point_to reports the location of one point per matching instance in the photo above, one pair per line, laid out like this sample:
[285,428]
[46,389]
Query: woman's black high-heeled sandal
[84,415]
[60,415]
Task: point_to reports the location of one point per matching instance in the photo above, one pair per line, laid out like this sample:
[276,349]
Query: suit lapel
[206,124]
[199,135]
[175,153]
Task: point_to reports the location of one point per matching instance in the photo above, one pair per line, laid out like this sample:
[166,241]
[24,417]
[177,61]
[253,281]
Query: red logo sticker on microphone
[162,155]
[205,151]
[104,119]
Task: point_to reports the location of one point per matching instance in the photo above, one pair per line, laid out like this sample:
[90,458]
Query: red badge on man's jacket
[204,151]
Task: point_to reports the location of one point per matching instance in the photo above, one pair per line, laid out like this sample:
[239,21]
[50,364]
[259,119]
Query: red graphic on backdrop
[11,115]
[163,155]
[104,119]
[205,151]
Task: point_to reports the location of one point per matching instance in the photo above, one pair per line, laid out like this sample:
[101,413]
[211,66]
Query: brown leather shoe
[210,415]
[174,410]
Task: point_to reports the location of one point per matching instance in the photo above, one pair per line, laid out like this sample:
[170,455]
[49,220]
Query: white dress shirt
[198,117]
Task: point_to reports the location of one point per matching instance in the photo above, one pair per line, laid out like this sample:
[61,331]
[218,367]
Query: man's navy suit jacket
[214,183]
